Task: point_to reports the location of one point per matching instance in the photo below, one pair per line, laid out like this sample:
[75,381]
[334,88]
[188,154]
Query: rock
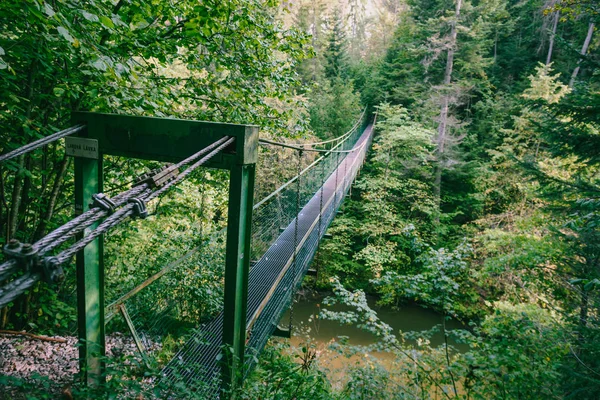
[22,357]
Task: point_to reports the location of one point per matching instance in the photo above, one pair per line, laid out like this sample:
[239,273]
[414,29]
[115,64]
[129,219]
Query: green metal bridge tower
[167,140]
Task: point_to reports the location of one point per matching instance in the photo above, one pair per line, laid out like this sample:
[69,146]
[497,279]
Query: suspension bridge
[269,244]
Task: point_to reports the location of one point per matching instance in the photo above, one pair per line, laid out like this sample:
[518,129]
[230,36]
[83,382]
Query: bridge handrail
[289,263]
[293,179]
[300,146]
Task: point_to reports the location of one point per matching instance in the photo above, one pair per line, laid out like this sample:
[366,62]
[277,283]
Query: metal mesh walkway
[275,276]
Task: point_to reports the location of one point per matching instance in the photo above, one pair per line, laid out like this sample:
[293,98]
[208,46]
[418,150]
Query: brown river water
[308,330]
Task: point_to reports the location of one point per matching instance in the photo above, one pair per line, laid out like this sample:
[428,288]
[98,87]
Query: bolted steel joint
[139,207]
[53,272]
[158,177]
[13,249]
[24,254]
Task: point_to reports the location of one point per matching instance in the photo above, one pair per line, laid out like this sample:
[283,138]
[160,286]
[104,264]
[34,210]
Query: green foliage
[287,373]
[518,353]
[442,282]
[334,108]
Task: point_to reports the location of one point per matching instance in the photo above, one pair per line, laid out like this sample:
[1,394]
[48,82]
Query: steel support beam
[237,267]
[170,140]
[90,278]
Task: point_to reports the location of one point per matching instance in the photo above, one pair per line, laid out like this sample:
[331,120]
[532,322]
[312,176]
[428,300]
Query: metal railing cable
[41,142]
[286,222]
[65,232]
[308,168]
[130,210]
[133,203]
[288,146]
[336,139]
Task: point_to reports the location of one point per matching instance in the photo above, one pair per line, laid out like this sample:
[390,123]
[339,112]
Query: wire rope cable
[336,139]
[41,142]
[141,194]
[77,225]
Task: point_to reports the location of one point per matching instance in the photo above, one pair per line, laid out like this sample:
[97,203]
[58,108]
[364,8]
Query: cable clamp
[158,177]
[102,201]
[53,272]
[139,207]
[24,254]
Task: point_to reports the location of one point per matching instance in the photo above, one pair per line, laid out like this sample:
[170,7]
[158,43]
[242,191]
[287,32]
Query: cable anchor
[139,207]
[24,254]
[102,201]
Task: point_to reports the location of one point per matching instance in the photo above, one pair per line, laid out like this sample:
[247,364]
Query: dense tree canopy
[480,197]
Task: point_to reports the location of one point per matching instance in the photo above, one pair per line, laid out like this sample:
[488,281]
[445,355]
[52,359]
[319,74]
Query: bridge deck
[271,280]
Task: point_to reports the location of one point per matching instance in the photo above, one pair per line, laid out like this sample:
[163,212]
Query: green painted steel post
[90,278]
[237,267]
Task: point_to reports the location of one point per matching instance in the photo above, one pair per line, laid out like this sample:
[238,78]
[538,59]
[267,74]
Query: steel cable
[336,139]
[146,195]
[70,229]
[12,290]
[41,142]
[79,223]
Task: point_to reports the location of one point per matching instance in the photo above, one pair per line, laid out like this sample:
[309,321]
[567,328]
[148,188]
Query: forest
[479,198]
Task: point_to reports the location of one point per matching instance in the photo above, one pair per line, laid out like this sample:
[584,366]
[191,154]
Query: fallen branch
[31,335]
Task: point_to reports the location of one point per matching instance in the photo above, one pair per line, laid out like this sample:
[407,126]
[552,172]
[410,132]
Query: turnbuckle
[139,207]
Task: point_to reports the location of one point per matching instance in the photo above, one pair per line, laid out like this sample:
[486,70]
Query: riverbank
[340,349]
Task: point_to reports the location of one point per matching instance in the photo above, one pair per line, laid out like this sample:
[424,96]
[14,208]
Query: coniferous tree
[336,51]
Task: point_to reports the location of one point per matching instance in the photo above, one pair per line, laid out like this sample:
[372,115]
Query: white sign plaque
[81,147]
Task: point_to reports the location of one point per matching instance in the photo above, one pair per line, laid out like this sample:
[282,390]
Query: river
[320,334]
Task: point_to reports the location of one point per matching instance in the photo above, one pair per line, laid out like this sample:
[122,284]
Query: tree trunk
[13,216]
[586,44]
[551,45]
[60,174]
[25,198]
[443,123]
[15,201]
[583,314]
[314,41]
[3,207]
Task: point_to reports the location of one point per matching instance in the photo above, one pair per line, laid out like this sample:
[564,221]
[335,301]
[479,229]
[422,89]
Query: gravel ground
[23,357]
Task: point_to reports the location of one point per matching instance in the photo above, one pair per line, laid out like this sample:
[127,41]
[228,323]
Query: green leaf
[65,34]
[48,10]
[2,51]
[89,16]
[58,91]
[3,65]
[107,22]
